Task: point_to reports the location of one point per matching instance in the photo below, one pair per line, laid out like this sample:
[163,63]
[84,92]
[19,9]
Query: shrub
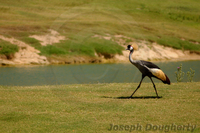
[7,48]
[52,50]
[179,74]
[190,75]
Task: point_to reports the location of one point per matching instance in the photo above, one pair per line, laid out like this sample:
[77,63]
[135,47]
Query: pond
[88,73]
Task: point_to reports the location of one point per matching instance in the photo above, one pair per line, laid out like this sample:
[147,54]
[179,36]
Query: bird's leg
[138,86]
[154,86]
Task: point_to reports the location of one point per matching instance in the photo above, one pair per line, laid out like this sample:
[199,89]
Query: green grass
[91,46]
[169,23]
[88,47]
[7,48]
[93,107]
[178,43]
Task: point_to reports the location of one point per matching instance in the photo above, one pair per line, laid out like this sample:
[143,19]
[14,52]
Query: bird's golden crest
[135,46]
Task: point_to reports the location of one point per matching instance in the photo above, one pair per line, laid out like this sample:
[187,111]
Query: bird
[148,69]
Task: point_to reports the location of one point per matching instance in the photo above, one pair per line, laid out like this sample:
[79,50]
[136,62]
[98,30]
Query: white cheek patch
[131,48]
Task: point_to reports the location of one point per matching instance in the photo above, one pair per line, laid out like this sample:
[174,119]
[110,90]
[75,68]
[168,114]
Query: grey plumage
[147,69]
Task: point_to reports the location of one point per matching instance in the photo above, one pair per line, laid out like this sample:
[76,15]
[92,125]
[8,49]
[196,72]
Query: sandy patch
[50,38]
[148,51]
[25,55]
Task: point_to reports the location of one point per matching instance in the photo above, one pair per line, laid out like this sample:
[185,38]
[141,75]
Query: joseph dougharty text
[153,127]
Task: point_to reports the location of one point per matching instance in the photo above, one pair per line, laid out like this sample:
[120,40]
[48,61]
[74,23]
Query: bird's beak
[126,49]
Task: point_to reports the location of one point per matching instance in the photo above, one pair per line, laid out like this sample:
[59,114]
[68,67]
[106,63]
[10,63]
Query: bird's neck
[130,58]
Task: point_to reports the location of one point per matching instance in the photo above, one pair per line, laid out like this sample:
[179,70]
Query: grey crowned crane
[147,69]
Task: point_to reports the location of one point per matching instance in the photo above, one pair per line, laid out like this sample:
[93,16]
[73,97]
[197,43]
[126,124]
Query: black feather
[149,64]
[145,68]
[167,81]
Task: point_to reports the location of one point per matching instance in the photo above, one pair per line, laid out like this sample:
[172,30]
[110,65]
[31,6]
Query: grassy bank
[169,23]
[93,107]
[7,49]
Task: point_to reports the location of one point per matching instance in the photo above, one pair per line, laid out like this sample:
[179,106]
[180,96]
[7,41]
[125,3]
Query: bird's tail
[167,81]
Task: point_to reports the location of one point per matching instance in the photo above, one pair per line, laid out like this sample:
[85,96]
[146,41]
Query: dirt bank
[25,56]
[149,51]
[28,55]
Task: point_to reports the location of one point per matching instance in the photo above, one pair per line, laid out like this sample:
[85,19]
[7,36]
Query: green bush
[178,43]
[45,50]
[90,46]
[52,50]
[32,41]
[105,47]
[179,74]
[7,48]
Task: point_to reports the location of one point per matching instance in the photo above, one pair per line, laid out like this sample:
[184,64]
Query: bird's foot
[158,97]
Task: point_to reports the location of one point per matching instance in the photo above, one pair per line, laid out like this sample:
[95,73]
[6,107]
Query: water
[89,73]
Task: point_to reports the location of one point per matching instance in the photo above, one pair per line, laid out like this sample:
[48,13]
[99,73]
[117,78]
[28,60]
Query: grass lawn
[97,107]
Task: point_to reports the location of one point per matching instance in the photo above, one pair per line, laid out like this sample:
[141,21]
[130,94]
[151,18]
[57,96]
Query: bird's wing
[149,64]
[156,71]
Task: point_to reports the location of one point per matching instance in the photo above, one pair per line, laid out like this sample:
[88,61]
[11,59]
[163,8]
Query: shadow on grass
[134,97]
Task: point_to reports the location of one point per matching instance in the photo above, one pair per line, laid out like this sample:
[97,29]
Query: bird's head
[132,47]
